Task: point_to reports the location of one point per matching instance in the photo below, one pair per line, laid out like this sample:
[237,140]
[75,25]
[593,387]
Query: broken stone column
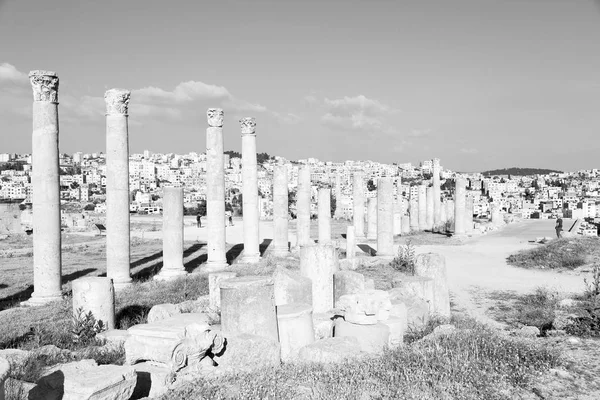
[422,207]
[295,325]
[46,189]
[405,225]
[117,187]
[172,234]
[469,227]
[372,218]
[437,193]
[214,287]
[280,211]
[347,282]
[291,287]
[248,306]
[215,191]
[303,207]
[372,338]
[95,295]
[433,265]
[338,196]
[250,191]
[350,242]
[459,206]
[358,205]
[430,203]
[385,217]
[324,216]
[414,212]
[319,263]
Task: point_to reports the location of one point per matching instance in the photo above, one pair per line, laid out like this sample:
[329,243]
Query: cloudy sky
[480,84]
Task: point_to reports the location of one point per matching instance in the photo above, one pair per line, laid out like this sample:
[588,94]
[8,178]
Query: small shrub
[85,327]
[405,260]
[588,324]
[537,309]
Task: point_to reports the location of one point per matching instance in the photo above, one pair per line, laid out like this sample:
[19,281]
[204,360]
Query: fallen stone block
[347,282]
[372,339]
[115,337]
[214,286]
[331,350]
[417,309]
[295,326]
[397,328]
[365,308]
[291,287]
[162,311]
[323,325]
[419,286]
[152,380]
[245,352]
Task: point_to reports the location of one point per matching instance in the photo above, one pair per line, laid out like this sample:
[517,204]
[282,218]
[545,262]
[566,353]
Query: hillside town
[83,179]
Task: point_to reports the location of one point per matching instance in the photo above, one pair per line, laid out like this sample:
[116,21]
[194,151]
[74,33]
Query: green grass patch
[566,253]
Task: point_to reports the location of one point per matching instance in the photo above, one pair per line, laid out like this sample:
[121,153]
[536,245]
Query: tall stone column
[385,217]
[117,187]
[358,205]
[46,190]
[495,214]
[398,217]
[459,206]
[414,211]
[280,211]
[350,242]
[250,191]
[422,207]
[215,191]
[469,228]
[303,207]
[450,214]
[172,234]
[430,208]
[324,216]
[338,196]
[437,194]
[372,218]
[443,218]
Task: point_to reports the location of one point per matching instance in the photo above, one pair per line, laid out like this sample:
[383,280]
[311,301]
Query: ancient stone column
[280,211]
[495,214]
[214,287]
[295,326]
[46,190]
[215,191]
[95,295]
[469,227]
[385,217]
[397,221]
[172,234]
[324,216]
[414,212]
[250,191]
[459,206]
[358,205]
[372,218]
[350,242]
[443,218]
[338,196]
[422,207]
[437,193]
[319,263]
[450,215]
[430,210]
[405,225]
[433,265]
[303,206]
[117,187]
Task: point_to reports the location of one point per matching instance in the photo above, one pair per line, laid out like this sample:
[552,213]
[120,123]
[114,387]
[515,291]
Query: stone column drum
[280,211]
[319,263]
[303,206]
[95,295]
[385,217]
[214,287]
[422,207]
[372,218]
[358,205]
[437,193]
[433,265]
[46,189]
[215,191]
[117,187]
[405,225]
[250,191]
[469,227]
[248,306]
[295,325]
[459,206]
[172,234]
[430,210]
[324,216]
[350,242]
[414,212]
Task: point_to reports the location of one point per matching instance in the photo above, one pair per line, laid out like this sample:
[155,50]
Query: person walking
[198,221]
[558,227]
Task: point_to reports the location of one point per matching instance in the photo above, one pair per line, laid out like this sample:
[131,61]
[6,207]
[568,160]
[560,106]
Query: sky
[480,84]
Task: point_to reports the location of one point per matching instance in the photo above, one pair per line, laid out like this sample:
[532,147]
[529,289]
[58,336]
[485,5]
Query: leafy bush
[587,324]
[405,260]
[85,327]
[560,253]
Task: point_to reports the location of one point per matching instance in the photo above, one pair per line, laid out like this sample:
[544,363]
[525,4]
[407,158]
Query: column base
[371,237]
[360,239]
[215,266]
[40,300]
[250,258]
[170,274]
[120,285]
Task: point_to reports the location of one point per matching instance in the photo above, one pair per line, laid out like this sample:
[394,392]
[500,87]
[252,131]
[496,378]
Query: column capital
[215,117]
[117,101]
[248,125]
[44,85]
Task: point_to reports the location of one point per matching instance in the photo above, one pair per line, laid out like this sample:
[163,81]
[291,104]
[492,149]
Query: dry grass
[568,253]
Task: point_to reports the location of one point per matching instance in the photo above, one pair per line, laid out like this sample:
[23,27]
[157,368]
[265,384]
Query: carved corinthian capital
[117,101]
[44,85]
[215,117]
[248,125]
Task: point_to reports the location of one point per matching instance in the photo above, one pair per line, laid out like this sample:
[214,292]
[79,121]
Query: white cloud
[469,151]
[8,72]
[418,133]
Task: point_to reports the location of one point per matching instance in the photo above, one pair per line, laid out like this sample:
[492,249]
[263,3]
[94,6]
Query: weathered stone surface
[442,330]
[365,308]
[528,331]
[347,282]
[4,371]
[319,263]
[420,286]
[84,380]
[291,287]
[372,339]
[331,350]
[417,309]
[214,286]
[14,356]
[397,326]
[433,265]
[323,325]
[295,326]
[113,336]
[369,284]
[244,352]
[162,311]
[152,380]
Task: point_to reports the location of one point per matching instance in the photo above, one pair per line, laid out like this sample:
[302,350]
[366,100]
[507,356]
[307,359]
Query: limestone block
[162,311]
[433,265]
[295,325]
[365,308]
[248,306]
[420,286]
[323,325]
[84,380]
[14,356]
[245,352]
[349,264]
[291,287]
[113,336]
[417,309]
[152,380]
[319,263]
[372,339]
[347,282]
[369,284]
[95,295]
[331,350]
[397,328]
[214,286]
[4,371]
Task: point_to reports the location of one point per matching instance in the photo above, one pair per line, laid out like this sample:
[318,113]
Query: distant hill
[514,171]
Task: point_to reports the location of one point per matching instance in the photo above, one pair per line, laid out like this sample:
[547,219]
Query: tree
[291,201]
[332,203]
[201,208]
[371,186]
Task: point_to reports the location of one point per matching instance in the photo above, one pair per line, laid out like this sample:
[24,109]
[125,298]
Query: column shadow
[367,249]
[264,246]
[234,252]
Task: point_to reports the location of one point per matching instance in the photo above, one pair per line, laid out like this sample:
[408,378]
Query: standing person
[558,227]
[199,221]
[230,220]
